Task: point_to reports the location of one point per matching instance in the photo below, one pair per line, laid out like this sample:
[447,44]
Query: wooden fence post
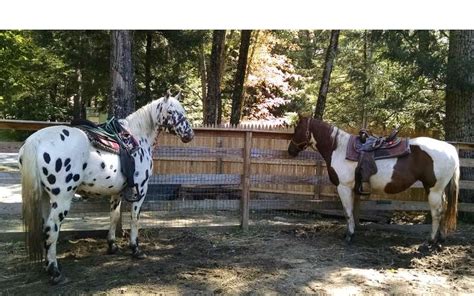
[319,174]
[244,201]
[219,163]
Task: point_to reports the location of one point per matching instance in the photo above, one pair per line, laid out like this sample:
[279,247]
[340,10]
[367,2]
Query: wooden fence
[254,163]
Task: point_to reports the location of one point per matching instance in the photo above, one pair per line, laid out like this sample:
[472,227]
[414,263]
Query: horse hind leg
[59,209]
[134,225]
[436,201]
[115,202]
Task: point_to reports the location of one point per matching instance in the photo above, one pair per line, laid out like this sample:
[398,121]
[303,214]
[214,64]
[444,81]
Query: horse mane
[146,121]
[141,122]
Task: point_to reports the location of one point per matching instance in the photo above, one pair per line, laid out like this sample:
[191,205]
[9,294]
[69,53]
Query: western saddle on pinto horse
[366,149]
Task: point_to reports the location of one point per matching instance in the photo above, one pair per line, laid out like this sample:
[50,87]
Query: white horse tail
[452,193]
[31,193]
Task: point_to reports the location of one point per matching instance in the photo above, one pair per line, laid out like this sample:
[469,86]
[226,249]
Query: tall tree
[122,92]
[368,77]
[203,77]
[78,102]
[148,60]
[214,100]
[328,65]
[237,95]
[459,124]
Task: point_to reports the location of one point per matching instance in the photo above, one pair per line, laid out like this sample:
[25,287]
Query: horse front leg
[346,195]
[134,225]
[115,202]
[59,209]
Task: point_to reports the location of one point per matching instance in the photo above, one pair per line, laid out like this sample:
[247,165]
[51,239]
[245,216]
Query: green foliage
[39,77]
[386,78]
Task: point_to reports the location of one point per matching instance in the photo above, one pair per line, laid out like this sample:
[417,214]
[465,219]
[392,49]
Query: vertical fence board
[244,205]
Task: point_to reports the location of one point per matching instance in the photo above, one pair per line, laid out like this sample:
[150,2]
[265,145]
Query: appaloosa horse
[56,162]
[435,163]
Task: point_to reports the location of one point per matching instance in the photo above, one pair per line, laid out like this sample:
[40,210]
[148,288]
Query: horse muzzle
[293,150]
[187,137]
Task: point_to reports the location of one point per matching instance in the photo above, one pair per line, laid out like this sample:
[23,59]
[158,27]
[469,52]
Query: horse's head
[301,137]
[172,117]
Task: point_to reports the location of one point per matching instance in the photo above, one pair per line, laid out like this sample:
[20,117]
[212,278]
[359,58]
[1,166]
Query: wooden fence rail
[256,163]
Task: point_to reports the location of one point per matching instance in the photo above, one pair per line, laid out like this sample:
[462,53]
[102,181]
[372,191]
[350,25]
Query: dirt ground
[265,260]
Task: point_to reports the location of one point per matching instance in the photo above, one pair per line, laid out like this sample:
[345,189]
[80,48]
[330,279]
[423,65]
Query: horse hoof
[112,249]
[436,246]
[138,255]
[349,237]
[423,248]
[429,247]
[57,279]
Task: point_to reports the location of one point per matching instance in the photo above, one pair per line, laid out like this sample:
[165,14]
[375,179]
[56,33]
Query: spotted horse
[432,162]
[57,162]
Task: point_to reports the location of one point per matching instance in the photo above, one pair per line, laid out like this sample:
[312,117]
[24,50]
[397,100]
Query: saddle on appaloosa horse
[366,148]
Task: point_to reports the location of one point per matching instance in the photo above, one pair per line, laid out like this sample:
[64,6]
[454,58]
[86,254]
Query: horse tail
[31,193]
[452,193]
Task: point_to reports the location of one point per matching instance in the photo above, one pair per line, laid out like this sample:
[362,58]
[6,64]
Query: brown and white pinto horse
[435,163]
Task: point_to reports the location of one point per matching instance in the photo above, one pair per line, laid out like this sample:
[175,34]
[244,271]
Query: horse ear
[167,95]
[178,96]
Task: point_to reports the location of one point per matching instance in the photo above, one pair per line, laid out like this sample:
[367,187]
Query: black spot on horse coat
[58,165]
[46,157]
[51,179]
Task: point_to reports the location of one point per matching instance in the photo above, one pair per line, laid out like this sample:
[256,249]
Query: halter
[308,138]
[305,143]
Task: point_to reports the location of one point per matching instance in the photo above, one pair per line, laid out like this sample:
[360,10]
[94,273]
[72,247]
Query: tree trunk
[122,92]
[214,101]
[252,52]
[237,96]
[78,104]
[79,108]
[459,123]
[149,43]
[224,53]
[328,64]
[368,85]
[202,73]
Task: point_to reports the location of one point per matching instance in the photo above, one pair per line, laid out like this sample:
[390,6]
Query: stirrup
[360,189]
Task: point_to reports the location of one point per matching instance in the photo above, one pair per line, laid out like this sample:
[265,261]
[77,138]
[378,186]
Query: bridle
[302,145]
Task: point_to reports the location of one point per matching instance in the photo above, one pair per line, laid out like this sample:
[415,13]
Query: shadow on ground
[300,259]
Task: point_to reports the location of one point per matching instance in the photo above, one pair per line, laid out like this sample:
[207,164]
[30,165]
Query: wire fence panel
[236,176]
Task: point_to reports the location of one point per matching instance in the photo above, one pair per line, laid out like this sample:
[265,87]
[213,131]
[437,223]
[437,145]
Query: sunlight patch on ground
[351,281]
[10,193]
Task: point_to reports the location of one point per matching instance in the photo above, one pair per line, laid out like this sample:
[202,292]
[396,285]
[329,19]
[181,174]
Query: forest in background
[379,78]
